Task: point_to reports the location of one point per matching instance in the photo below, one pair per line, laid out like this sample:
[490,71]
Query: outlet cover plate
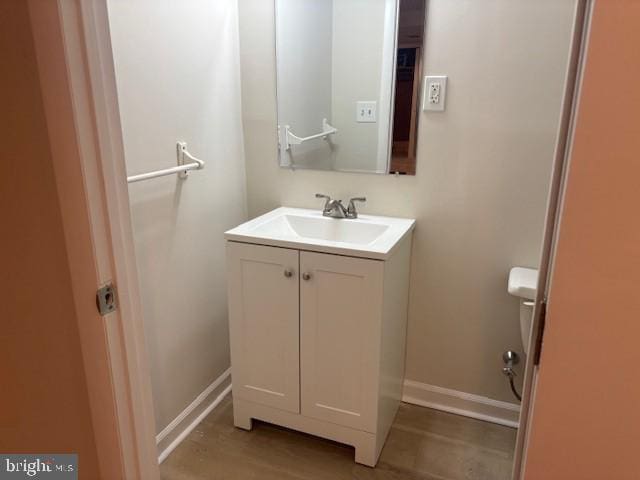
[366,112]
[434,93]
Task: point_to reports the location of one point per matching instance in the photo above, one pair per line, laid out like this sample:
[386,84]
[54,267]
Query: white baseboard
[422,394]
[181,426]
[461,403]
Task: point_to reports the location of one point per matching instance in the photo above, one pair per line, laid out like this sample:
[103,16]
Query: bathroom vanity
[318,313]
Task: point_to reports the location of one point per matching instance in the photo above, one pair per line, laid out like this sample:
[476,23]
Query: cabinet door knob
[306,276]
[288,272]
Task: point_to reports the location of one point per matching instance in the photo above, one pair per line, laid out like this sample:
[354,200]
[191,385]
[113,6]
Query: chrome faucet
[332,208]
[335,208]
[351,209]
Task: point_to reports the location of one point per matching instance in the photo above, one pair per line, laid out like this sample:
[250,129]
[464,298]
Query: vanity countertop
[368,236]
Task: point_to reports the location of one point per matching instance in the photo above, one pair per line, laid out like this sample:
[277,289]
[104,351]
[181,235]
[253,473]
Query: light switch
[366,112]
[434,94]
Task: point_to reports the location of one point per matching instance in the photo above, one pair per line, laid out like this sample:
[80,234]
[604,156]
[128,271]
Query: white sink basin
[323,228]
[367,236]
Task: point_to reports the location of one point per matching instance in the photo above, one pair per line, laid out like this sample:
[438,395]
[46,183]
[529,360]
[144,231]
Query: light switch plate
[366,112]
[434,93]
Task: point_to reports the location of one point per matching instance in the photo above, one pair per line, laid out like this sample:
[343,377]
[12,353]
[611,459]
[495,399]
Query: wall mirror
[348,84]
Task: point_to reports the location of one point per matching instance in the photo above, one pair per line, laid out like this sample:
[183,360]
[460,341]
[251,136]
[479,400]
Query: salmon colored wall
[44,406]
[586,419]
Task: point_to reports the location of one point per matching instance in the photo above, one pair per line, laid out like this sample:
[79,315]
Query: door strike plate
[106,299]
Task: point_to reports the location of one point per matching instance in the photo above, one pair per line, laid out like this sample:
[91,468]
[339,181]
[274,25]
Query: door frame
[415,107]
[77,76]
[560,170]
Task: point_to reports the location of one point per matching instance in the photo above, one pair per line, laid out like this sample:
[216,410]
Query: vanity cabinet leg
[241,419]
[366,452]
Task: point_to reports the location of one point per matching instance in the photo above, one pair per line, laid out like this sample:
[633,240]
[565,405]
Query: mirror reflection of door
[407,89]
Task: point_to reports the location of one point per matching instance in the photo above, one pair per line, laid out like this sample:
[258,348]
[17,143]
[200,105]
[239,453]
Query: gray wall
[480,192]
[358,74]
[304,68]
[178,79]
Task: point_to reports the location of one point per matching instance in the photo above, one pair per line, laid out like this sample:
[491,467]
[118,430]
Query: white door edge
[561,164]
[80,103]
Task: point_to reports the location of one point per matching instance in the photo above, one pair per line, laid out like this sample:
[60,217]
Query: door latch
[537,352]
[106,299]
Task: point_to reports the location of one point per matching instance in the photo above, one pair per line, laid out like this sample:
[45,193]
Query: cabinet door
[340,317]
[264,294]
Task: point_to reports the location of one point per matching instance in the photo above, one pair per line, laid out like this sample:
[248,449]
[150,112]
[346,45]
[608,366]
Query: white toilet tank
[523,283]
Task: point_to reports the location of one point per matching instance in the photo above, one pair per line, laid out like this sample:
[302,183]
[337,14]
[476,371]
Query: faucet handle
[351,209]
[327,199]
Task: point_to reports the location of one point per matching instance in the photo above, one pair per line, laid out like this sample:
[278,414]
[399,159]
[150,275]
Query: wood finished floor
[423,444]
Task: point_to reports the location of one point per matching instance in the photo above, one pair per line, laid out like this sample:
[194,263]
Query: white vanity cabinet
[340,318]
[318,340]
[264,322]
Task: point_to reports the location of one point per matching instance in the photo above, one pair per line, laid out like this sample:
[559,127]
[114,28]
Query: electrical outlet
[434,94]
[366,112]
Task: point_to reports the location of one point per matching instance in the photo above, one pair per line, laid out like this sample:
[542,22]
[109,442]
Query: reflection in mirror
[336,75]
[407,86]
